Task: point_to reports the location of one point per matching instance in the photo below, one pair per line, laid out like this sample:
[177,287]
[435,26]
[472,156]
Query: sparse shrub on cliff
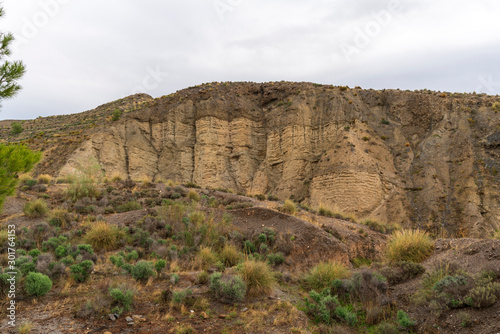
[271,197]
[409,245]
[380,227]
[193,195]
[116,115]
[289,207]
[322,275]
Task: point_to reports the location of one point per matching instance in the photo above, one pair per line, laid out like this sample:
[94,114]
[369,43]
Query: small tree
[14,159]
[10,71]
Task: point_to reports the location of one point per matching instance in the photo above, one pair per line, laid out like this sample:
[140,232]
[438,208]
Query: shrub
[258,276]
[409,245]
[16,128]
[346,315]
[81,186]
[37,284]
[289,207]
[230,255]
[482,296]
[116,115]
[324,273]
[36,209]
[81,271]
[142,270]
[159,265]
[227,288]
[44,179]
[249,247]
[61,251]
[275,258]
[404,319]
[386,328]
[179,297]
[271,197]
[402,271]
[59,218]
[174,278]
[129,206]
[34,253]
[104,236]
[380,227]
[123,299]
[321,306]
[193,195]
[207,256]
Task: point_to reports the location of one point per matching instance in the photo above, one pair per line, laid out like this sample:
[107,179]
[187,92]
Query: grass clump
[230,255]
[104,236]
[59,218]
[379,226]
[409,245]
[258,276]
[289,207]
[36,209]
[324,273]
[81,186]
[193,195]
[44,179]
[37,284]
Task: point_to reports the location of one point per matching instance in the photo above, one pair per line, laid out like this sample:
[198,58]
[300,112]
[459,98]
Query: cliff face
[419,158]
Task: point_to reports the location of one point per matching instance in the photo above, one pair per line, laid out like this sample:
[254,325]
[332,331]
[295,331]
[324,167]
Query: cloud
[89,53]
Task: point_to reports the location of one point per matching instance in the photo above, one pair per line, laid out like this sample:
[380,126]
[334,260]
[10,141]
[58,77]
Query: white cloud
[92,52]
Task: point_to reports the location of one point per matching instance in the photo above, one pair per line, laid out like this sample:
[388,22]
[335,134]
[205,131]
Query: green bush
[404,319]
[275,258]
[14,159]
[34,253]
[142,270]
[123,299]
[174,278]
[16,128]
[228,288]
[116,115]
[321,306]
[61,251]
[159,265]
[37,284]
[129,206]
[346,315]
[36,209]
[249,247]
[81,271]
[179,297]
[483,296]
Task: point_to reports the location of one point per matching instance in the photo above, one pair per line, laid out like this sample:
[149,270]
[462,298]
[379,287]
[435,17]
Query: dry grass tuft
[322,274]
[230,255]
[258,276]
[409,245]
[104,236]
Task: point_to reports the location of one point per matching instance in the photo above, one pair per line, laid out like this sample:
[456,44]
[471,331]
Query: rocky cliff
[419,158]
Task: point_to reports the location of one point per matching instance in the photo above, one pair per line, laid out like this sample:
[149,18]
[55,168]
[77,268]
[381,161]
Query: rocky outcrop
[422,158]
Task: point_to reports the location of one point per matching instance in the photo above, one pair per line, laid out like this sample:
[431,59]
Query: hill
[422,158]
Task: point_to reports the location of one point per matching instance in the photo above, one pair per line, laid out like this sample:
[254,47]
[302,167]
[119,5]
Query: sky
[81,54]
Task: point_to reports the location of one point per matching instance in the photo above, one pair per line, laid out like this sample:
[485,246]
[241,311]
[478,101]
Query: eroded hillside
[418,158]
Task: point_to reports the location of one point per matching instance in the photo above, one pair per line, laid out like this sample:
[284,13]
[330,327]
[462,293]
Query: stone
[112,317]
[129,319]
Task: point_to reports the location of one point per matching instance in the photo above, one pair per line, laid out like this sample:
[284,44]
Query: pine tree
[10,71]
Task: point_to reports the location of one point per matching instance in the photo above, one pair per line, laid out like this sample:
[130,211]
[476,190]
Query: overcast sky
[81,54]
